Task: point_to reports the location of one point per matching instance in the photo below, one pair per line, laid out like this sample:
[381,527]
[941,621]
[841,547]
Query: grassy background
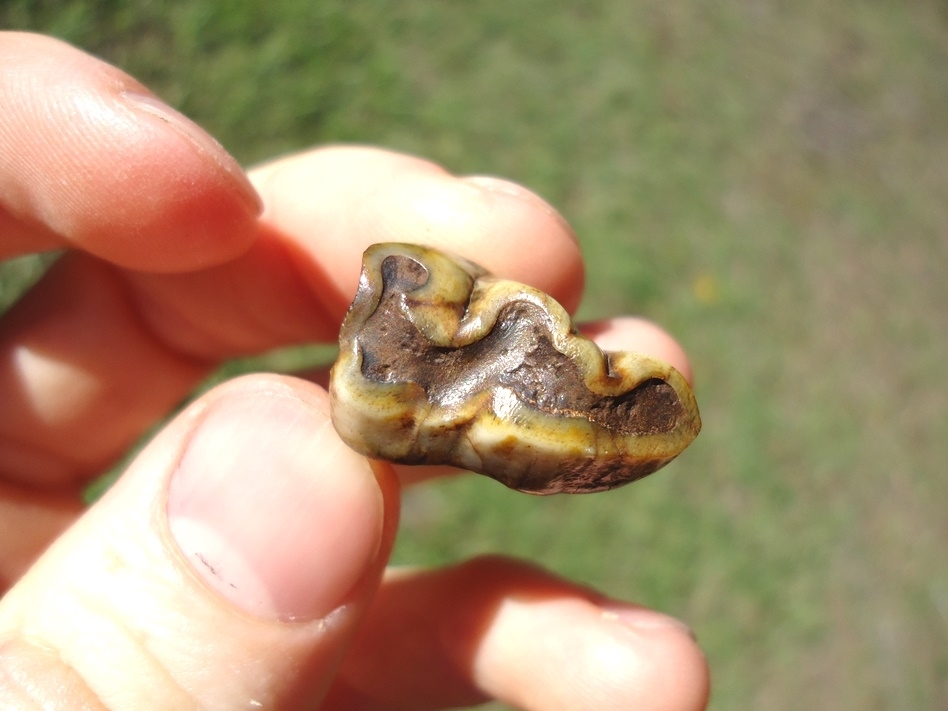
[767,179]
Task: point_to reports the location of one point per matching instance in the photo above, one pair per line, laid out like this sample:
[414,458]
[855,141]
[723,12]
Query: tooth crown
[442,363]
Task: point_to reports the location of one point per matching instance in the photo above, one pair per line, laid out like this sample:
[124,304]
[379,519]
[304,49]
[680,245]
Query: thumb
[226,569]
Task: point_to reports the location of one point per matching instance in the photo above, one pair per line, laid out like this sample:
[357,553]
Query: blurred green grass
[769,180]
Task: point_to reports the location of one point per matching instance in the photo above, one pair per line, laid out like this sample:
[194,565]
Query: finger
[639,335]
[90,159]
[81,377]
[226,569]
[323,209]
[344,198]
[29,520]
[293,285]
[495,628]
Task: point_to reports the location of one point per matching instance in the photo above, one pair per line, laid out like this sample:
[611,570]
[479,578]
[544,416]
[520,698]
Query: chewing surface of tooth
[442,363]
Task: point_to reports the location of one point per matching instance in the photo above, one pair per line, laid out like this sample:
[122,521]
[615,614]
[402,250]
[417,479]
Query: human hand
[239,562]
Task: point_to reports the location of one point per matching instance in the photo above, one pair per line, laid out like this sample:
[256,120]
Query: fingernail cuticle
[644,619]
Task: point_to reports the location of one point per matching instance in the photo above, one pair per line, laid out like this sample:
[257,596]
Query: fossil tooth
[443,363]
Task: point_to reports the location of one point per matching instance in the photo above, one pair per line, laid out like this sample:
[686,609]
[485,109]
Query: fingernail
[506,188]
[271,509]
[201,140]
[498,185]
[643,619]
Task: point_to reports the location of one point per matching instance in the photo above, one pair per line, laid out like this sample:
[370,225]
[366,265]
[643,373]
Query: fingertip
[670,662]
[588,656]
[494,627]
[100,164]
[640,336]
[546,238]
[501,226]
[269,506]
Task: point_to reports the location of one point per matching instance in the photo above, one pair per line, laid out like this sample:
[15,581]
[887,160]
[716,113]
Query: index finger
[90,160]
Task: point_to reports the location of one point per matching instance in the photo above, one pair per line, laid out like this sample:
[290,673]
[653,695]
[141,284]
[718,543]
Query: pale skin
[241,560]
